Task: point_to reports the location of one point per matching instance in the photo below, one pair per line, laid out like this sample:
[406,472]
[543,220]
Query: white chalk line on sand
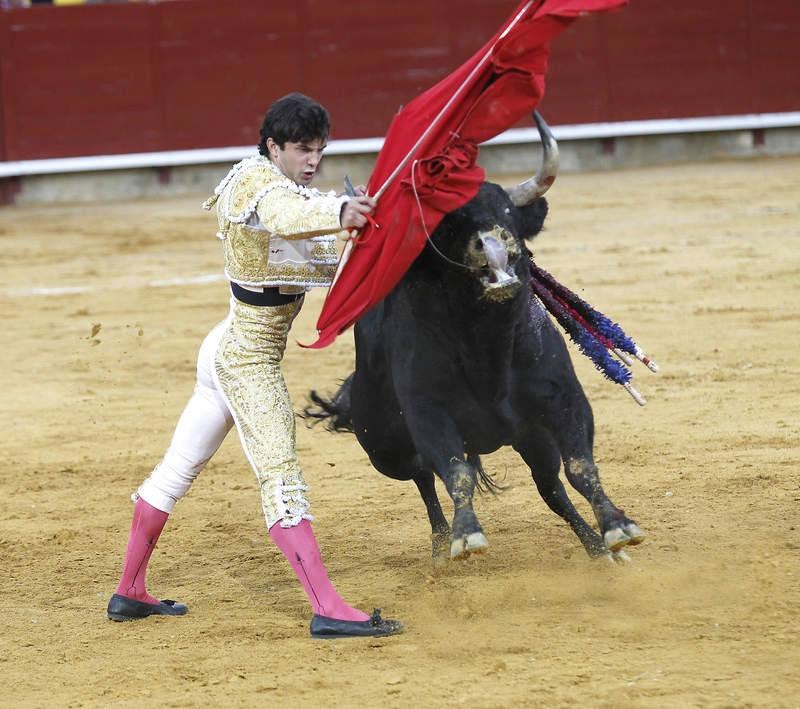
[129,285]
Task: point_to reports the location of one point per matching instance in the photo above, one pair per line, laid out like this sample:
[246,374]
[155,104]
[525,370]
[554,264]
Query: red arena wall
[139,77]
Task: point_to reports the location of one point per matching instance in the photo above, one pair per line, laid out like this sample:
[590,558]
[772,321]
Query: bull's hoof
[463,547]
[615,539]
[620,557]
[439,544]
[619,537]
[614,558]
[635,534]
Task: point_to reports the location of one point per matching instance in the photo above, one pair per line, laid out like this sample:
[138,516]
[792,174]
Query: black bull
[461,359]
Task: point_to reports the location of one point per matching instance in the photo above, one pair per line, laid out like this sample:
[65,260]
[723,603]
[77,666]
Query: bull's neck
[486,349]
[486,326]
[451,299]
[480,334]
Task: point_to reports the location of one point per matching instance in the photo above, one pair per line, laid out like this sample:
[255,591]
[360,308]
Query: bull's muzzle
[499,282]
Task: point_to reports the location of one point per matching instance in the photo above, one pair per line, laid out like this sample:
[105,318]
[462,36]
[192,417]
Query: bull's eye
[479,245]
[507,210]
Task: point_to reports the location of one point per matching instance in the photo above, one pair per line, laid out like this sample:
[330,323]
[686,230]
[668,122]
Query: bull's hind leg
[400,464]
[440,530]
[542,456]
[617,529]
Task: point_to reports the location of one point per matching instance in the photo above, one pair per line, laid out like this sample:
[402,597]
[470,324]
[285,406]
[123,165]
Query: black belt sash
[267,296]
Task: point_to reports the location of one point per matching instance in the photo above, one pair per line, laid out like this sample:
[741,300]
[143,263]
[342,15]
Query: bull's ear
[530,218]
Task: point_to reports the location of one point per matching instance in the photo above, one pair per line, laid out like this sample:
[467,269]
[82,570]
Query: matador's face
[298,161]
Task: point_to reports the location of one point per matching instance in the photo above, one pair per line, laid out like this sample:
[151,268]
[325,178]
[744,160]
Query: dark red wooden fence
[118,78]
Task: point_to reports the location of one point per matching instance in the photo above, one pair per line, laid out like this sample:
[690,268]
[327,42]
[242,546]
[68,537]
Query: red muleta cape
[496,87]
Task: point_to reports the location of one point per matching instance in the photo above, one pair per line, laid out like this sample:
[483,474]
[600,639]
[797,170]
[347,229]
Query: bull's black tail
[335,412]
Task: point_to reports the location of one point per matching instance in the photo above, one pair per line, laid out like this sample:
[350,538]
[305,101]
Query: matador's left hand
[355,211]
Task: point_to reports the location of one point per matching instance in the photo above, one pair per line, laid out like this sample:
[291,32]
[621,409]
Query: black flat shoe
[324,628]
[123,608]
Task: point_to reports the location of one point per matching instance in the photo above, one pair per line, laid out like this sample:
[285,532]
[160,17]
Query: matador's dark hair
[296,119]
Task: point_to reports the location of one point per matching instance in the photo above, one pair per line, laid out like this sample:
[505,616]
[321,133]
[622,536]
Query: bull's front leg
[617,528]
[436,436]
[468,537]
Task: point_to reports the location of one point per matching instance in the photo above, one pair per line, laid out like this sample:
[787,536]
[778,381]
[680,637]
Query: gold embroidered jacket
[275,232]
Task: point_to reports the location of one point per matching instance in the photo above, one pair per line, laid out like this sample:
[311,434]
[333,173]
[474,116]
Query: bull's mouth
[499,286]
[499,282]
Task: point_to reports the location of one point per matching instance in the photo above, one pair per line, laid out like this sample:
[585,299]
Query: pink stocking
[299,546]
[145,530]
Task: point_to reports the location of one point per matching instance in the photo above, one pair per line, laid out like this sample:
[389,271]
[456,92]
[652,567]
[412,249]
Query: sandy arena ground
[700,263]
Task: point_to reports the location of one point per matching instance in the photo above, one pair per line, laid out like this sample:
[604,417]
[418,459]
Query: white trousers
[201,429]
[239,382]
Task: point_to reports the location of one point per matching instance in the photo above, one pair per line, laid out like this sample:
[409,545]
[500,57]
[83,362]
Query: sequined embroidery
[255,203]
[247,370]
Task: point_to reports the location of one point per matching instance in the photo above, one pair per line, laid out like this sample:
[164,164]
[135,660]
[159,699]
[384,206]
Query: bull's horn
[525,192]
